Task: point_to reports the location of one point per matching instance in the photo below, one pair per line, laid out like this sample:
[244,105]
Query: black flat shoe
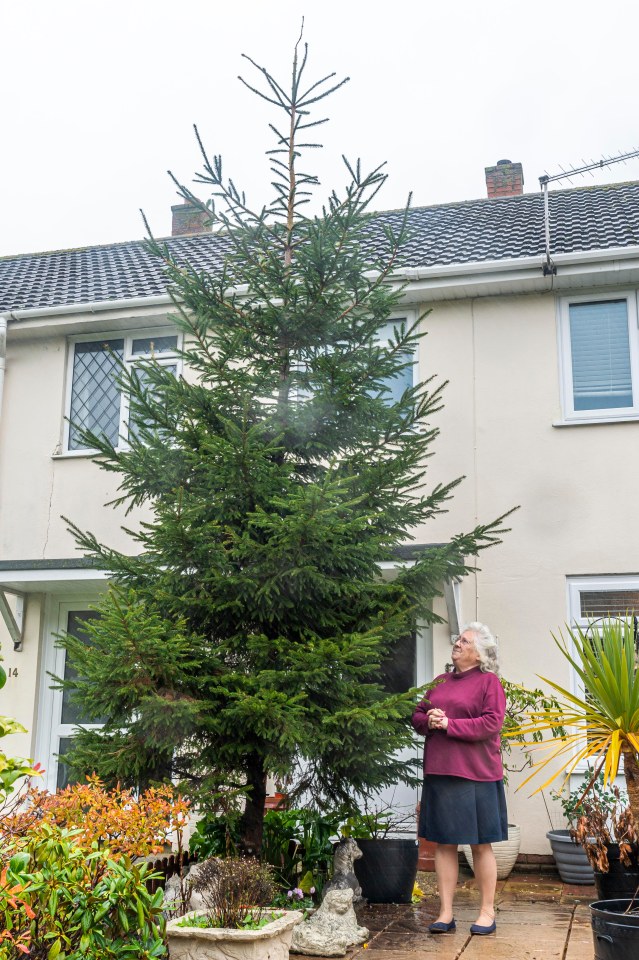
[480,931]
[440,927]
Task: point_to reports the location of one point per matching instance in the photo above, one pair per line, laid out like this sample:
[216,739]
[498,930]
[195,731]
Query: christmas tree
[249,629]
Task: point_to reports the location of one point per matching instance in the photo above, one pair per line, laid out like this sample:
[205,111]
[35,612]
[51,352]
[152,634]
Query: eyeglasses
[464,641]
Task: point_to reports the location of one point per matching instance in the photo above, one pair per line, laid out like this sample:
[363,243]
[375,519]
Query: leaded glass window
[95,396]
[97,403]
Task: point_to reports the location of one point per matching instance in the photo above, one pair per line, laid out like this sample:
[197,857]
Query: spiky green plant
[604,719]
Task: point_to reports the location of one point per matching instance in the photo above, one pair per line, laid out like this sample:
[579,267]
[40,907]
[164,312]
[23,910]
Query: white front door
[58,716]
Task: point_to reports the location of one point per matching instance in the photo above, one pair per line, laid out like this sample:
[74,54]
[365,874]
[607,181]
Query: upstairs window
[393,387]
[405,378]
[600,358]
[95,401]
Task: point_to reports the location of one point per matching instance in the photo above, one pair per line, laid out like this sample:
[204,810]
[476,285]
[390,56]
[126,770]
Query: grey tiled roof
[590,218]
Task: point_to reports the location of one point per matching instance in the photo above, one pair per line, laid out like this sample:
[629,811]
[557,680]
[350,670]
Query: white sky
[98,100]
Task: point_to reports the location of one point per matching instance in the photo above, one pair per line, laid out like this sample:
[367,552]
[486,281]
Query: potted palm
[604,725]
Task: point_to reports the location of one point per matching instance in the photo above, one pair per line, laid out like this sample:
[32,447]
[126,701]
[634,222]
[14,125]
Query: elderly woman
[463,798]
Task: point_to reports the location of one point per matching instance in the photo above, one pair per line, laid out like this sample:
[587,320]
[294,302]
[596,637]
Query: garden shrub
[234,889]
[117,820]
[69,888]
[297,843]
[60,900]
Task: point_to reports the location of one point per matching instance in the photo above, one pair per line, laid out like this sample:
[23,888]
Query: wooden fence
[168,866]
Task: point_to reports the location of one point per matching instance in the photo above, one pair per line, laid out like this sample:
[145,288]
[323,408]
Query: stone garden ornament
[346,853]
[332,929]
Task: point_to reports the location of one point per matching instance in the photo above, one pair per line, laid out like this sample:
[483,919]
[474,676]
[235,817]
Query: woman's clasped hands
[437,719]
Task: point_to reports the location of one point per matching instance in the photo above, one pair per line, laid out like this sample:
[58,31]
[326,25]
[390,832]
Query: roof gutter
[95,306]
[450,280]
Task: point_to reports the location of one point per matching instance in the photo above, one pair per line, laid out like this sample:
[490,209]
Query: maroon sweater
[474,703]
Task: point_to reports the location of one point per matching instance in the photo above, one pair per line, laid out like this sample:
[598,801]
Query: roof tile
[590,218]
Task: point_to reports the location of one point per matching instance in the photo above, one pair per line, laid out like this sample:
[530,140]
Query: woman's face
[465,655]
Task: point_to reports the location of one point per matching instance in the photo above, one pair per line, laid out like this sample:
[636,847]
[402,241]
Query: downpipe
[3,355]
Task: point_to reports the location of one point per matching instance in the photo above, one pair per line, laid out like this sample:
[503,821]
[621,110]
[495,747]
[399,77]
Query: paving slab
[517,948]
[538,918]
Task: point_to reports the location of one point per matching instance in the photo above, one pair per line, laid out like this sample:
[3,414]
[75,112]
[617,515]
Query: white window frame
[611,414]
[575,586]
[168,358]
[50,729]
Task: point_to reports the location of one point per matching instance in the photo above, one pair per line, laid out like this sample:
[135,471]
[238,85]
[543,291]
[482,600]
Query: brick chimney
[188,219]
[506,179]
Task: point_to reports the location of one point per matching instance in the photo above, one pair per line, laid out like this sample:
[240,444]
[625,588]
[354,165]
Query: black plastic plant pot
[387,869]
[619,881]
[615,933]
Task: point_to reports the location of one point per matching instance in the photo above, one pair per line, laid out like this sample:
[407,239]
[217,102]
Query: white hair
[485,645]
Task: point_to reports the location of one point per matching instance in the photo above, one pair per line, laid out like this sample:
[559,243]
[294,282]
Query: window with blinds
[608,603]
[600,357]
[600,353]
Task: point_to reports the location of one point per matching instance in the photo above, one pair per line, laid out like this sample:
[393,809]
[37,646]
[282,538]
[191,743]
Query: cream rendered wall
[18,697]
[37,486]
[575,488]
[573,485]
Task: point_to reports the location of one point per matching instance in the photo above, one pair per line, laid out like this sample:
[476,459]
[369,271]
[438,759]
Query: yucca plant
[604,721]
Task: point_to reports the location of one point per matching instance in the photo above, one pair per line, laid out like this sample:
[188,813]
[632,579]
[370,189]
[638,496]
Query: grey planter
[570,857]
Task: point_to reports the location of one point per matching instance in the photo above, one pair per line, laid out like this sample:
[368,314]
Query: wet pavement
[538,918]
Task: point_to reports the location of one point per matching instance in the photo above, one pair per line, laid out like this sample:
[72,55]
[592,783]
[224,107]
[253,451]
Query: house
[539,342]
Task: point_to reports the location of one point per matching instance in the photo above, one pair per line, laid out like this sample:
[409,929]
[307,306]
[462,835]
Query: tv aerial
[549,268]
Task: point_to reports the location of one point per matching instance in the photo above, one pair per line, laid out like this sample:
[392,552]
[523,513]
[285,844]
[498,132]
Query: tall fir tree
[247,631]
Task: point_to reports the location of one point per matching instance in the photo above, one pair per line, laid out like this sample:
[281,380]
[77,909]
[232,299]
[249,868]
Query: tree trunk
[252,820]
[631,771]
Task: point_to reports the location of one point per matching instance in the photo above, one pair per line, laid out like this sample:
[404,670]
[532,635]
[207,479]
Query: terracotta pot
[426,854]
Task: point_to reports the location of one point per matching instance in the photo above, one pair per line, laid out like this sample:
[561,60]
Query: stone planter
[570,857]
[271,942]
[506,852]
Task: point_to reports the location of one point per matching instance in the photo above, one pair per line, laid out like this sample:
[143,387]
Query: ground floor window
[594,598]
[399,670]
[591,600]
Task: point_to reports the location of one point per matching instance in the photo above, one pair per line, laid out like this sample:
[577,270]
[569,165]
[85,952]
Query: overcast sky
[99,98]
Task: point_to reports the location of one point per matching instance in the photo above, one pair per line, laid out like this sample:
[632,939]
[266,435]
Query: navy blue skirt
[456,810]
